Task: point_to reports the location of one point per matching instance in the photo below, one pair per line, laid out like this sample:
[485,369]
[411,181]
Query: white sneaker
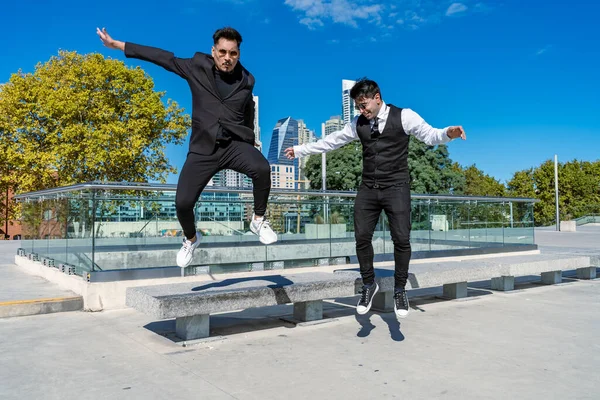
[262,228]
[186,253]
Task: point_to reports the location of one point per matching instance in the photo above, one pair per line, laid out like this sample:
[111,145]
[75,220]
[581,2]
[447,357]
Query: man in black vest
[383,131]
[222,128]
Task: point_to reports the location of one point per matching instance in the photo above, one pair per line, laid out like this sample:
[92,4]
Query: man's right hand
[109,41]
[289,153]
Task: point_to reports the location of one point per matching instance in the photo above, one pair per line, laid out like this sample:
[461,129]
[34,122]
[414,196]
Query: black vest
[385,158]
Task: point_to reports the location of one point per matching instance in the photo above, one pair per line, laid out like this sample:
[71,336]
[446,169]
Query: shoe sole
[267,241]
[183,266]
[401,316]
[263,241]
[370,303]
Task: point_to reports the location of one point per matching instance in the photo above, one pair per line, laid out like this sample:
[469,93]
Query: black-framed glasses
[361,106]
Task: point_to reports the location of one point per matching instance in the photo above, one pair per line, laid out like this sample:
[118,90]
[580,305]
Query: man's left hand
[456,132]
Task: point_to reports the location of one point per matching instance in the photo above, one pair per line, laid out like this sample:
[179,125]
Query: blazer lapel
[241,84]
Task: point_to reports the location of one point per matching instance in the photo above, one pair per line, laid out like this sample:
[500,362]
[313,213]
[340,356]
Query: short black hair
[227,33]
[364,88]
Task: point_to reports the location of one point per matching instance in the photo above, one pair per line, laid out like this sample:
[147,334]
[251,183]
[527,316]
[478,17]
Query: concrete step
[20,308]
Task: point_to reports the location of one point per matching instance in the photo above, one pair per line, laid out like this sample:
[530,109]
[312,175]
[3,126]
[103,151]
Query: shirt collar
[382,111]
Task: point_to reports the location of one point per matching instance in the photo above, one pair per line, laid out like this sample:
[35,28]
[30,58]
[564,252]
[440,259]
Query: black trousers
[395,201]
[199,169]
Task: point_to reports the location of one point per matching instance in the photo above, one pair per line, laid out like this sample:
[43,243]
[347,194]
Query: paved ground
[16,285]
[536,342]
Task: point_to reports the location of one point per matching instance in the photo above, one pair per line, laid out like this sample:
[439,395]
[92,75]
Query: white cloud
[347,12]
[410,14]
[311,23]
[456,8]
[542,51]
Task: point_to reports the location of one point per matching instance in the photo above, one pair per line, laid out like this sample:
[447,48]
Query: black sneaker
[366,298]
[401,304]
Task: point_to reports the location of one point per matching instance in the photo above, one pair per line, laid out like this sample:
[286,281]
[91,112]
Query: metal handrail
[165,187]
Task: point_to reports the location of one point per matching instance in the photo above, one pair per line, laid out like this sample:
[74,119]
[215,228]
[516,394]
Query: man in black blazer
[222,128]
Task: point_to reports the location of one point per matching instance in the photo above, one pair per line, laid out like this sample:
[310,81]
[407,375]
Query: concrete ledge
[20,308]
[433,273]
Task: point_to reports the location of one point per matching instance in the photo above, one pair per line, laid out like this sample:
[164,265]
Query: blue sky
[521,78]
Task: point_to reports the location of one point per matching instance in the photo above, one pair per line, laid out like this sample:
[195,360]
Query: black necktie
[375,129]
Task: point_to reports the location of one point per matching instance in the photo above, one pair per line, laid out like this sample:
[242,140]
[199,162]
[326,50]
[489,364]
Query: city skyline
[522,89]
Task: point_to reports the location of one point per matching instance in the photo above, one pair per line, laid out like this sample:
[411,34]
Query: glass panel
[79,233]
[131,227]
[519,228]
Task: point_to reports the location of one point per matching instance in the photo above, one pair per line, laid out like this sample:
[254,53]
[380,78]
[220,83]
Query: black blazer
[210,112]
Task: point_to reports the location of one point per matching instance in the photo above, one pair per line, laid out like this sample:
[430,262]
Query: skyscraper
[305,135]
[284,172]
[335,123]
[256,124]
[348,106]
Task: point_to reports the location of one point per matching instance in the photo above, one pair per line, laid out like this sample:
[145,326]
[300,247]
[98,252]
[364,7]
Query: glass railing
[100,227]
[588,214]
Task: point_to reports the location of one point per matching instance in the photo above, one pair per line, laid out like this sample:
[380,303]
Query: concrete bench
[191,303]
[454,276]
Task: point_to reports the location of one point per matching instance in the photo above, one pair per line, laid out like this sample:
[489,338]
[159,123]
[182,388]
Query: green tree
[430,169]
[579,189]
[478,183]
[80,118]
[344,168]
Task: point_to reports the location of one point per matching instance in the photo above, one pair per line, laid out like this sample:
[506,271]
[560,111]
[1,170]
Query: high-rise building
[229,178]
[284,172]
[305,135]
[256,124]
[333,124]
[348,107]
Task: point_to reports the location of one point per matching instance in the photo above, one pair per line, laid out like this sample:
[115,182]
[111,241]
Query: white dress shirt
[412,123]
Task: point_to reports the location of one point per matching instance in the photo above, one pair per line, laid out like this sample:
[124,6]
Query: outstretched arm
[414,125]
[330,142]
[163,58]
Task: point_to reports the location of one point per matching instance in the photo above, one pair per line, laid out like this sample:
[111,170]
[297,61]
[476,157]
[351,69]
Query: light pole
[298,206]
[556,191]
